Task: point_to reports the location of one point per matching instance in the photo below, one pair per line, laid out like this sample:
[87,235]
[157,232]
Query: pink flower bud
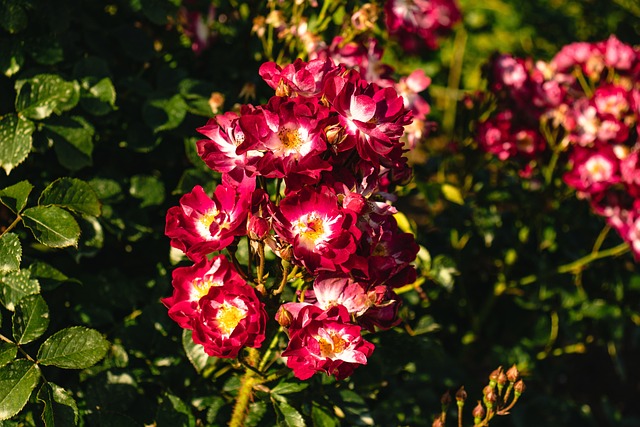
[258,228]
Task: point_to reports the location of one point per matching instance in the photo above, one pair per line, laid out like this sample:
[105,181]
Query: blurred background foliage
[498,284]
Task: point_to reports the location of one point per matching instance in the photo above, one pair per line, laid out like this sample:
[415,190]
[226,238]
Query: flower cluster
[583,107]
[419,23]
[309,177]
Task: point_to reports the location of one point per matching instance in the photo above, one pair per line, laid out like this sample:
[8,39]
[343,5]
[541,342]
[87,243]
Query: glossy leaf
[52,226]
[290,415]
[8,352]
[173,412]
[195,352]
[73,194]
[17,381]
[76,347]
[15,286]
[164,114]
[45,94]
[10,253]
[15,196]
[30,319]
[16,136]
[72,140]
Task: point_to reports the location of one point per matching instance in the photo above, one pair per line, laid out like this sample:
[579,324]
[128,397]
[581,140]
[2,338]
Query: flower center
[290,138]
[228,318]
[599,169]
[330,349]
[310,228]
[207,219]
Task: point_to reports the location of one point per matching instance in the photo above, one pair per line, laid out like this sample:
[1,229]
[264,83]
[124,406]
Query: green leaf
[15,196]
[16,136]
[452,194]
[12,58]
[48,276]
[290,415]
[8,352]
[31,319]
[322,418]
[164,114]
[98,98]
[17,381]
[60,409]
[195,353]
[15,286]
[72,139]
[287,388]
[45,50]
[52,226]
[147,188]
[158,10]
[76,347]
[44,94]
[172,412]
[73,194]
[10,253]
[14,17]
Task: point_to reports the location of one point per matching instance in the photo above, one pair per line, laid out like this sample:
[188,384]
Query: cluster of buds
[498,398]
[583,108]
[308,182]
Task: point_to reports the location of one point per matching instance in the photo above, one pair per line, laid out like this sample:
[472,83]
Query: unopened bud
[445,400]
[437,422]
[461,396]
[258,228]
[286,253]
[502,379]
[490,397]
[335,134]
[284,317]
[519,388]
[493,377]
[478,413]
[513,374]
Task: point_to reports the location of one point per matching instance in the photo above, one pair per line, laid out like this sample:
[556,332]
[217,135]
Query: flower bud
[461,396]
[445,400]
[513,374]
[490,397]
[258,228]
[354,202]
[284,317]
[478,413]
[519,388]
[437,422]
[502,379]
[493,377]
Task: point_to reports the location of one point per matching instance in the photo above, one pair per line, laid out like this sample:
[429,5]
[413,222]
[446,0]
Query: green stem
[455,74]
[250,379]
[11,226]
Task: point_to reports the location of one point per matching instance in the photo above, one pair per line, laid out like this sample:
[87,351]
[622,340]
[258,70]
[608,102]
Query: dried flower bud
[478,413]
[519,388]
[461,395]
[513,374]
[437,422]
[216,102]
[445,400]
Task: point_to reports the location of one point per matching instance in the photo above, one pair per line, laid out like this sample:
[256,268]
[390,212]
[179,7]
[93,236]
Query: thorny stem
[245,392]
[261,263]
[267,353]
[285,278]
[455,73]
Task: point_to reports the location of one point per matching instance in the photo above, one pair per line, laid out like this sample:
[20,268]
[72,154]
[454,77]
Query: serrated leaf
[52,226]
[15,286]
[8,352]
[16,139]
[44,94]
[15,196]
[49,277]
[290,415]
[76,347]
[31,319]
[195,353]
[164,114]
[452,194]
[73,194]
[72,139]
[10,253]
[45,50]
[60,409]
[17,381]
[288,388]
[173,412]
